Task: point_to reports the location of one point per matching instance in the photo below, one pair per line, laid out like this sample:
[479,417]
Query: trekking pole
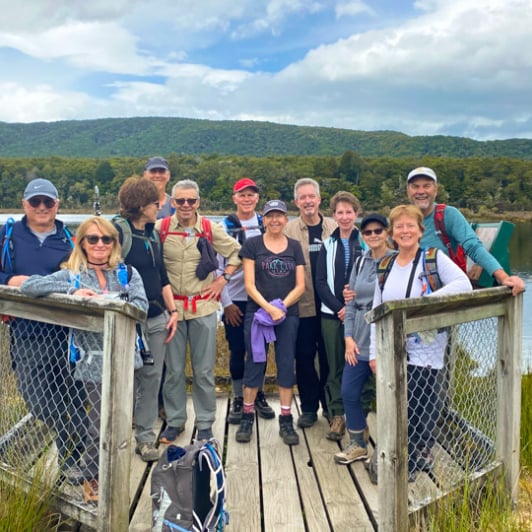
[96,204]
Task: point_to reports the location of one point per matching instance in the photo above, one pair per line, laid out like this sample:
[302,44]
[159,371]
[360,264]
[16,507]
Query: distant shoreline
[510,216]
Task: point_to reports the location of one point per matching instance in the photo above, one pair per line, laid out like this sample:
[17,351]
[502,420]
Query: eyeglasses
[93,239]
[36,201]
[377,231]
[189,201]
[156,203]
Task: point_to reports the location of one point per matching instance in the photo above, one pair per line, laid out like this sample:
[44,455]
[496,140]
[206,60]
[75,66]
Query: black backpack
[181,491]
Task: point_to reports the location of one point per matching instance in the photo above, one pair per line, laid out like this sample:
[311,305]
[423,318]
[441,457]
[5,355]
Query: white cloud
[351,8]
[453,67]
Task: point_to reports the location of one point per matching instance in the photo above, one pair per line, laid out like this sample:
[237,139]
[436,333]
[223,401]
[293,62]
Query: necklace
[98,263]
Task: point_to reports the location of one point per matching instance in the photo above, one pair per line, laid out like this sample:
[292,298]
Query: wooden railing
[116,320]
[394,321]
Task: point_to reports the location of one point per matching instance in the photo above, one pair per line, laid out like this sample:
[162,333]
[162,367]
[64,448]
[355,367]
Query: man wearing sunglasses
[196,294]
[38,244]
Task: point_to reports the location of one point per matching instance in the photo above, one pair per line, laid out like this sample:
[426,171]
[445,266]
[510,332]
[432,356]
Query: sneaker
[73,475]
[243,434]
[263,409]
[147,451]
[236,410]
[170,434]
[337,428]
[287,431]
[351,453]
[307,419]
[204,434]
[90,491]
[425,459]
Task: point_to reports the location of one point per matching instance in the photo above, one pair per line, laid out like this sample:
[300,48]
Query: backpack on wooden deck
[188,489]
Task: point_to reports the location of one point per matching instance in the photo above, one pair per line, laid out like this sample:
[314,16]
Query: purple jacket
[263,332]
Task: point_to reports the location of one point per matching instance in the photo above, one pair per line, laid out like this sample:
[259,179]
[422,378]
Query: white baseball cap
[422,171]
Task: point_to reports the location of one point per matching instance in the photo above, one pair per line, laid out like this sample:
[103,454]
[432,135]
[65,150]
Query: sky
[426,67]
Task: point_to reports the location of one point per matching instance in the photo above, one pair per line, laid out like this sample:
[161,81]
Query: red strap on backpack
[164,230]
[458,257]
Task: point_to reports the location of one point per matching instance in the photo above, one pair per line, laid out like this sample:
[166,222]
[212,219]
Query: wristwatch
[227,276]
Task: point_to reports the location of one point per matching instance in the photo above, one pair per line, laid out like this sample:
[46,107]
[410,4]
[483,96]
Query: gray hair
[186,184]
[306,181]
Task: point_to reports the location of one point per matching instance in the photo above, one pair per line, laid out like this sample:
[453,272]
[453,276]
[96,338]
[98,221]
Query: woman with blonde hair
[91,271]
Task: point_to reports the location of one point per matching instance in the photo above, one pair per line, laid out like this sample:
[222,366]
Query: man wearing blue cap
[38,244]
[157,171]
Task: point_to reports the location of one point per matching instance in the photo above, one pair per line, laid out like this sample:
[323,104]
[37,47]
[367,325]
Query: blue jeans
[353,380]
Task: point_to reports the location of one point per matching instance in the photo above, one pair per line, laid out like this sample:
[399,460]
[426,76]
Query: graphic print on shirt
[278,266]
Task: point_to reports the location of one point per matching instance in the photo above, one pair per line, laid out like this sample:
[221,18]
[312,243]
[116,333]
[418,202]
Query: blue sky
[426,67]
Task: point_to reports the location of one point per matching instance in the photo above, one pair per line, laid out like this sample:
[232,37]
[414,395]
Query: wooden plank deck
[271,486]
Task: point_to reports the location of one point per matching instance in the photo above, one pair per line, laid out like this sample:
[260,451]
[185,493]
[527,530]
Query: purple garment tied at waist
[262,330]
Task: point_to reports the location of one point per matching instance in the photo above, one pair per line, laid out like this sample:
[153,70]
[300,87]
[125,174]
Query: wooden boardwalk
[271,486]
[275,487]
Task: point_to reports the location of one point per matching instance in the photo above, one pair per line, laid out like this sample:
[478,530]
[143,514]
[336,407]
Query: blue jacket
[30,256]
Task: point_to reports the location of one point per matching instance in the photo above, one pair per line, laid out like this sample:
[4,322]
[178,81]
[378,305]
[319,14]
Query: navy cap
[274,205]
[156,162]
[373,217]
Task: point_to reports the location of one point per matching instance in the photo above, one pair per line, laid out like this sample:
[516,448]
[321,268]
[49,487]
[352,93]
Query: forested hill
[139,137]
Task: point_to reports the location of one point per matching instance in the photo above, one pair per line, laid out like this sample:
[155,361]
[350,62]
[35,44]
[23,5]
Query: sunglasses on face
[189,201]
[378,231]
[36,201]
[93,239]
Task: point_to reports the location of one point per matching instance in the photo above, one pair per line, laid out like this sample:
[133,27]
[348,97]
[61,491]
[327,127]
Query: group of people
[303,284]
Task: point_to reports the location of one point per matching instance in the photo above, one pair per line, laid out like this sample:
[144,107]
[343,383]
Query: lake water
[521,263]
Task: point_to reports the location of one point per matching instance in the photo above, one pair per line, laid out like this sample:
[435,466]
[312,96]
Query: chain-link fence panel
[452,401]
[48,412]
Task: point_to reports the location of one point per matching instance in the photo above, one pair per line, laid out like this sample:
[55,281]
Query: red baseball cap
[245,182]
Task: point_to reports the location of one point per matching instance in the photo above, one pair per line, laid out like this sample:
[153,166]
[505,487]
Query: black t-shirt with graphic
[275,273]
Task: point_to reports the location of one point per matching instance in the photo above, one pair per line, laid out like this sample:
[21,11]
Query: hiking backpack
[459,256]
[188,489]
[7,261]
[235,228]
[164,230]
[432,281]
[128,235]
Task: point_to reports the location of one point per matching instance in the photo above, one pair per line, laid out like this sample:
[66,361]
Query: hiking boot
[425,460]
[236,410]
[307,419]
[351,453]
[204,434]
[337,428]
[73,475]
[90,491]
[263,409]
[147,451]
[170,434]
[287,431]
[243,434]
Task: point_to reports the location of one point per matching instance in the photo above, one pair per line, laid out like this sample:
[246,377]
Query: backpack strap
[164,230]
[430,276]
[383,269]
[458,256]
[8,250]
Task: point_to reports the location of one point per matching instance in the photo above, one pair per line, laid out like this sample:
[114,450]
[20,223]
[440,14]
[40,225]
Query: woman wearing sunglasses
[357,336]
[91,271]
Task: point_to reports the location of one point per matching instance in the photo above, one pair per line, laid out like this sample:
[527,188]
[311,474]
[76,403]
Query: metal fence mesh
[452,408]
[48,414]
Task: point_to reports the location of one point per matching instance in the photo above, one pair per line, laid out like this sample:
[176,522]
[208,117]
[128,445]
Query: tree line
[479,184]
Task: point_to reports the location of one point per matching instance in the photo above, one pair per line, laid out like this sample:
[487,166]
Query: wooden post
[509,393]
[392,414]
[116,419]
